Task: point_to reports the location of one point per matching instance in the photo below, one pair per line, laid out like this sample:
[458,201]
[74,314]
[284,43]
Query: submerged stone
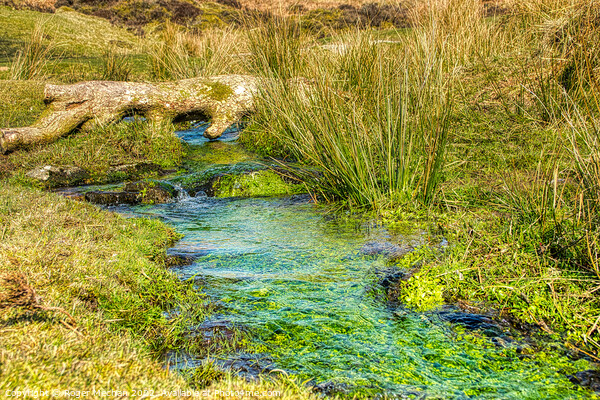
[152,192]
[472,322]
[332,388]
[248,366]
[387,249]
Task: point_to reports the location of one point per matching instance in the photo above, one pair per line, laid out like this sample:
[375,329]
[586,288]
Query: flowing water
[298,280]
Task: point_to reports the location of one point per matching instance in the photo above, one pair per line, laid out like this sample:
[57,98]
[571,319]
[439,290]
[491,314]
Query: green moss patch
[255,184]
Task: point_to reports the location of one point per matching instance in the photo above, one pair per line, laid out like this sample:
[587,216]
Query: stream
[301,281]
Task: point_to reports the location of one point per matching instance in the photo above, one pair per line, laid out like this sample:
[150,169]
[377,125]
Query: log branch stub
[223,99]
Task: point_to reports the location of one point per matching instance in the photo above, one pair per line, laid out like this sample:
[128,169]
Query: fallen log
[223,99]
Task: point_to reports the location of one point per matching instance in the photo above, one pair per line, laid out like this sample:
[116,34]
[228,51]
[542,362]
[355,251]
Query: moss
[256,184]
[243,179]
[204,179]
[219,91]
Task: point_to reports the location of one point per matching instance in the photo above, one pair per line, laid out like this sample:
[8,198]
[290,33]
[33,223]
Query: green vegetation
[373,121]
[260,183]
[21,102]
[103,148]
[484,129]
[72,33]
[242,179]
[106,274]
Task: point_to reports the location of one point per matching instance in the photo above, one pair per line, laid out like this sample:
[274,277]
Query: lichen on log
[223,99]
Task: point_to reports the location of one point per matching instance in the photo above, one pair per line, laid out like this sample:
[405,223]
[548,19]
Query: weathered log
[222,99]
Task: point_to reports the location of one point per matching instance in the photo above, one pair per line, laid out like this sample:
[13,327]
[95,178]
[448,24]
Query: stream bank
[306,290]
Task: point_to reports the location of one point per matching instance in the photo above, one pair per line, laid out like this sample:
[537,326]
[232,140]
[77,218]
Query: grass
[104,147]
[102,288]
[22,102]
[373,122]
[96,265]
[72,33]
[30,62]
[484,128]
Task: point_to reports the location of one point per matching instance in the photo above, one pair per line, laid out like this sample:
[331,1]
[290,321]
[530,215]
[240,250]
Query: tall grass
[555,210]
[30,62]
[169,58]
[584,139]
[217,51]
[182,54]
[373,121]
[276,46]
[115,67]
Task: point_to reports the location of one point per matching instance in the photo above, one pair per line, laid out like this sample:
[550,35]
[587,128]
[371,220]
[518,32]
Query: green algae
[295,279]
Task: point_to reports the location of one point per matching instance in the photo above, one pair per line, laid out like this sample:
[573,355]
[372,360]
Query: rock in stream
[144,192]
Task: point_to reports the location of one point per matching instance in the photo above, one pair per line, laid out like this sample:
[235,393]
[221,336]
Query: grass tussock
[371,119]
[29,64]
[183,54]
[15,291]
[114,66]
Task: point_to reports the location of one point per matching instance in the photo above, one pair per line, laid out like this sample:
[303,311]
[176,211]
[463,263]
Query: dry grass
[15,291]
[285,6]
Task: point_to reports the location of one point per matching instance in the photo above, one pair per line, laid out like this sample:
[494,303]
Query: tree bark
[222,99]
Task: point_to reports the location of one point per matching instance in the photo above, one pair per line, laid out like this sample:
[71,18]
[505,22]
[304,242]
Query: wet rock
[472,322]
[52,176]
[248,366]
[215,335]
[145,192]
[203,182]
[392,277]
[178,260]
[244,179]
[152,192]
[332,388]
[589,379]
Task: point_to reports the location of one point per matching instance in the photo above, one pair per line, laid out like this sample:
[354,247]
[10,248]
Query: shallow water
[295,278]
